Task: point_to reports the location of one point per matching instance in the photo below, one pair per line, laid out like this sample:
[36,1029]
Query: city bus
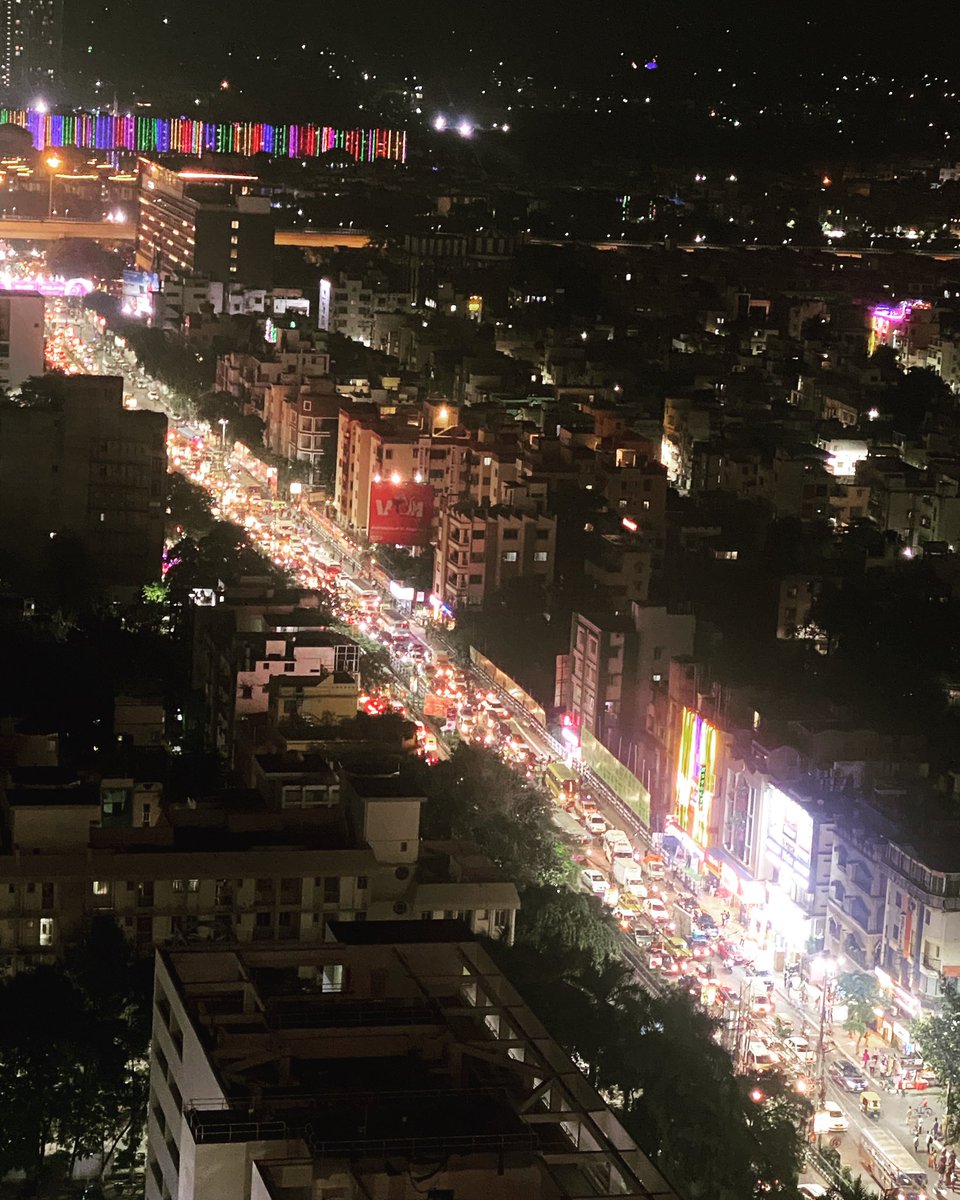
[892,1165]
[562,783]
[365,600]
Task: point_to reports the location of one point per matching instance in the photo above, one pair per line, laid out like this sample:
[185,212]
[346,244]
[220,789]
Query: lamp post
[223,423]
[53,162]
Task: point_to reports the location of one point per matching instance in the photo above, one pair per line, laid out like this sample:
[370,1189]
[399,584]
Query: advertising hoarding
[401,514]
[696,776]
[618,778]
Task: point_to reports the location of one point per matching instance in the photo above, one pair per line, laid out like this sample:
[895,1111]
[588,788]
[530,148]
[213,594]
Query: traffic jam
[675,933]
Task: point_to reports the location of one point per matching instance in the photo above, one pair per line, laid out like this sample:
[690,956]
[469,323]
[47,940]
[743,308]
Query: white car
[838,1122]
[594,881]
[800,1047]
[594,823]
[655,909]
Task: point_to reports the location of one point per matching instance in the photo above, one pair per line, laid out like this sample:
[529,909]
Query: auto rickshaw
[870,1105]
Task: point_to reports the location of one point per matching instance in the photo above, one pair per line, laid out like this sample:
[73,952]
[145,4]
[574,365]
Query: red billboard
[401,514]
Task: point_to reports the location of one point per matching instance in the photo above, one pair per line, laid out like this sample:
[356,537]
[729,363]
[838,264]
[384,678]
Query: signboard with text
[401,514]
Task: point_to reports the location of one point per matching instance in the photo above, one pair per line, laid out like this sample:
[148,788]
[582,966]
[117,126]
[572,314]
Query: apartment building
[301,423]
[316,845]
[343,1069]
[353,303]
[482,549]
[209,223]
[21,336]
[297,358]
[86,468]
[249,640]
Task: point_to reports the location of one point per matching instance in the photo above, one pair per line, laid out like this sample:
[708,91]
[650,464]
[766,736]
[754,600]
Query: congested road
[671,936]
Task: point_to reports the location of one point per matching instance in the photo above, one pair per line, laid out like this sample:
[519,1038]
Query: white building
[21,337]
[343,1070]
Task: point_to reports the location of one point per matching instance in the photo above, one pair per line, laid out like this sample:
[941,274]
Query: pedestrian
[942,1163]
[936,1129]
[930,1143]
[919,1129]
[916,1141]
[909,1114]
[741,939]
[875,1060]
[866,1058]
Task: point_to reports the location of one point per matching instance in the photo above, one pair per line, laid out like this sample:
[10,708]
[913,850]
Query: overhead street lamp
[53,163]
[223,423]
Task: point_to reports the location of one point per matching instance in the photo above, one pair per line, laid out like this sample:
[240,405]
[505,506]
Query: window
[193,885]
[101,887]
[509,556]
[361,883]
[478,534]
[178,885]
[542,535]
[540,556]
[46,931]
[403,847]
[646,505]
[511,535]
[388,454]
[487,460]
[476,579]
[331,889]
[234,224]
[262,920]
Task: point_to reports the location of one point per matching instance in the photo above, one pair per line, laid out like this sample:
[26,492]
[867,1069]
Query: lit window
[46,931]
[540,556]
[101,887]
[509,556]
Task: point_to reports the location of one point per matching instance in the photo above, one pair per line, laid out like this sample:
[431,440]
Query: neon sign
[886,321]
[696,776]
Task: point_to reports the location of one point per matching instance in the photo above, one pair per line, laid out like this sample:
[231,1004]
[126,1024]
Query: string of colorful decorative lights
[184,135]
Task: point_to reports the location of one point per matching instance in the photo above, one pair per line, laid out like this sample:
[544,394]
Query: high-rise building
[393,1061]
[82,466]
[210,223]
[31,33]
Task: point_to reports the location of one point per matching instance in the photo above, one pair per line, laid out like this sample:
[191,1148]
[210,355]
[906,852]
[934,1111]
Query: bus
[892,1165]
[562,783]
[364,599]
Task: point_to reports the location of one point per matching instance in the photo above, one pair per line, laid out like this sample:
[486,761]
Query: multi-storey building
[198,222]
[83,467]
[315,846]
[31,39]
[353,303]
[480,550]
[21,337]
[301,424]
[344,1069]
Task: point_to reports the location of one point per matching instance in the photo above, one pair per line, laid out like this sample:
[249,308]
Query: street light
[223,423]
[54,162]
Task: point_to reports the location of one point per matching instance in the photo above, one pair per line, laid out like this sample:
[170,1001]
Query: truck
[616,845]
[569,827]
[629,877]
[653,867]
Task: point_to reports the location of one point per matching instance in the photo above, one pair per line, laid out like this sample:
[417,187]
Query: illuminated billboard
[790,842]
[696,776]
[401,514]
[887,323]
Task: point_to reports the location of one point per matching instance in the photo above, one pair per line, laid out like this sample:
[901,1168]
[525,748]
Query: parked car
[800,1048]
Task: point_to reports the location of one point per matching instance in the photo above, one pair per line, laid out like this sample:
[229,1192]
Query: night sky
[308,60]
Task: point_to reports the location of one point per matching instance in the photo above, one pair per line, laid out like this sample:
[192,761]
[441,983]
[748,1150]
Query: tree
[558,922]
[189,509]
[851,1187]
[476,796]
[861,994]
[938,1035]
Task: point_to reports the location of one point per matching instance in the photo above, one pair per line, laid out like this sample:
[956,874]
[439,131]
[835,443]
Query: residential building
[480,550]
[21,336]
[355,302]
[313,845]
[85,468]
[301,424]
[857,896]
[31,40]
[199,222]
[342,1069]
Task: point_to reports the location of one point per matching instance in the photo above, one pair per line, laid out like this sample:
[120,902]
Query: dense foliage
[74,1039]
